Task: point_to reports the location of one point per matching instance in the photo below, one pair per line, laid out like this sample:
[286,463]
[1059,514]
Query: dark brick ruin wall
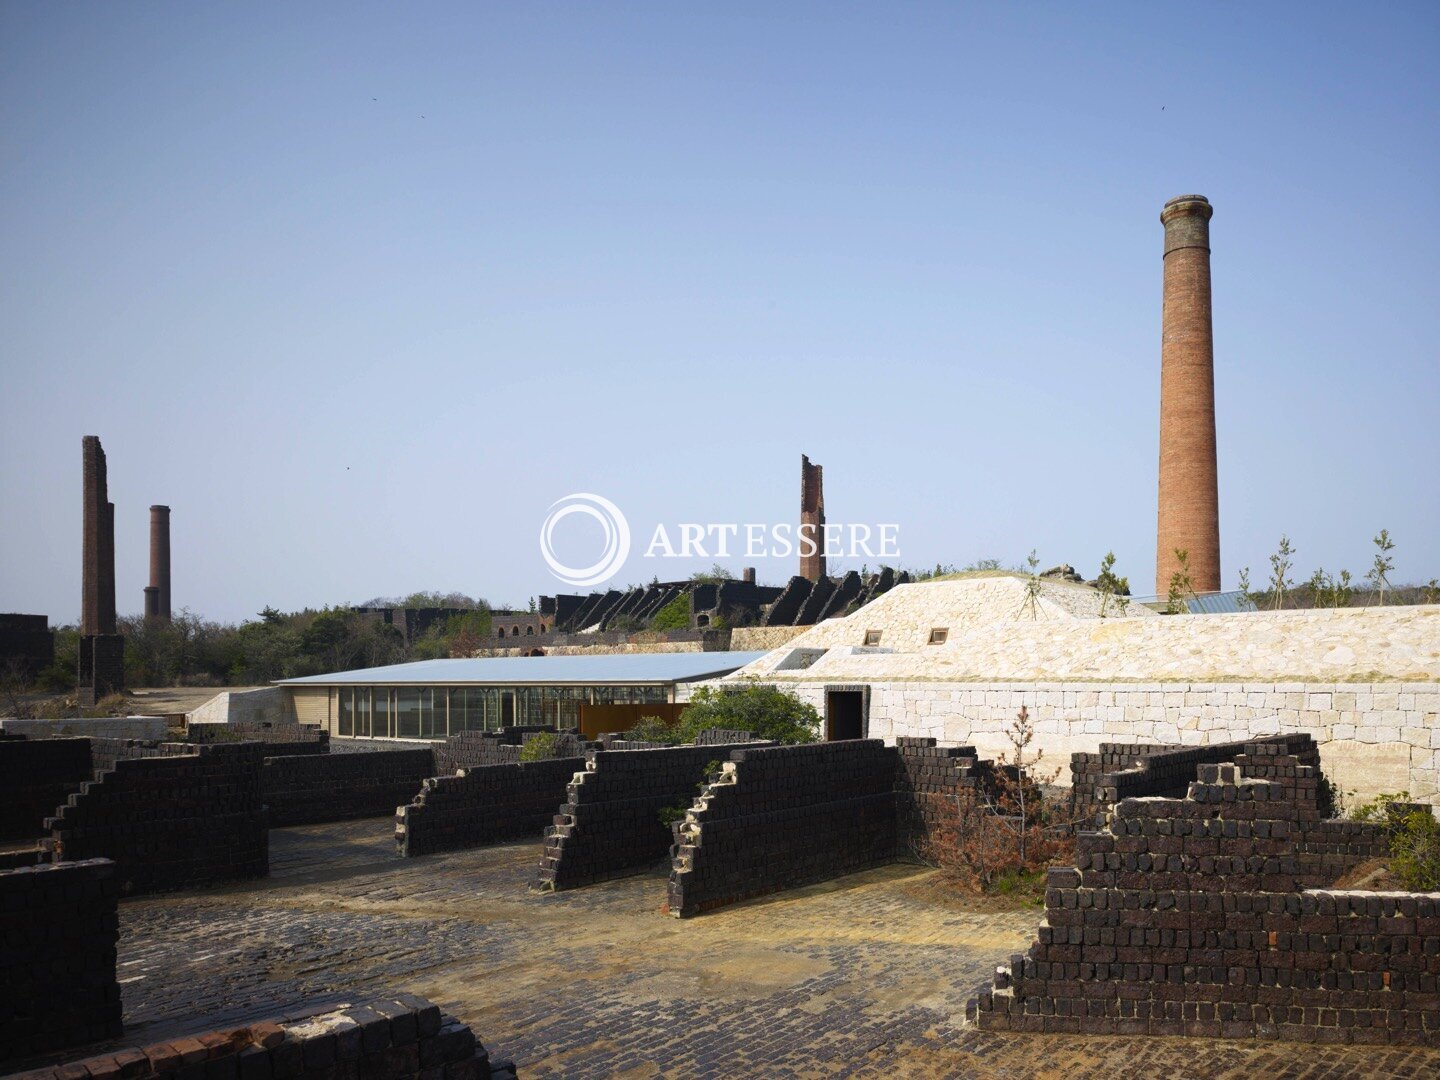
[57,966]
[470,748]
[929,782]
[484,805]
[1207,915]
[786,816]
[171,821]
[304,790]
[26,644]
[1134,770]
[36,776]
[609,825]
[400,1037]
[277,739]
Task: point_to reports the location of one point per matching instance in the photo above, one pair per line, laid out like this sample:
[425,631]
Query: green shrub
[1415,851]
[653,729]
[1378,808]
[764,711]
[673,616]
[538,747]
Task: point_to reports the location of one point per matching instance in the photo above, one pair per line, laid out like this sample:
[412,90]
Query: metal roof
[626,669]
[1220,603]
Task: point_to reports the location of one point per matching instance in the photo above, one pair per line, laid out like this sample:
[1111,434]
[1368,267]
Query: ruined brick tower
[1189,518]
[102,650]
[157,595]
[812,518]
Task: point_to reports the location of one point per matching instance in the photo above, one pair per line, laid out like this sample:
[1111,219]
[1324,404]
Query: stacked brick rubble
[483,805]
[1132,770]
[1209,915]
[36,776]
[170,821]
[782,817]
[609,825]
[58,932]
[338,787]
[397,1038]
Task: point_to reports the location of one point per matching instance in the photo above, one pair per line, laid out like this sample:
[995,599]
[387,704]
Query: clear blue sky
[359,290]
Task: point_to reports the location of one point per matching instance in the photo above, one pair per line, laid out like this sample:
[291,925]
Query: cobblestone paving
[867,976]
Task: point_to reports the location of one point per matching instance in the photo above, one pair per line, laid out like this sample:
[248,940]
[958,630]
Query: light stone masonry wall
[1373,737]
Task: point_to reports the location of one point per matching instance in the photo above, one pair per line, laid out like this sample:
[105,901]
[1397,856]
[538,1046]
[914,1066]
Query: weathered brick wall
[1201,916]
[59,930]
[609,825]
[36,776]
[785,816]
[401,1037]
[337,787]
[929,780]
[470,748]
[279,740]
[483,805]
[171,821]
[1118,771]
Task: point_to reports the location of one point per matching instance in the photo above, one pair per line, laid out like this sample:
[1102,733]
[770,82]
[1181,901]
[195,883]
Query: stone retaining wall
[483,805]
[337,787]
[170,821]
[59,930]
[1373,737]
[400,1037]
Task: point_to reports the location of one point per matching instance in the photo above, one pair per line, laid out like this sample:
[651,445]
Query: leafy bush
[538,747]
[673,616]
[653,729]
[1415,851]
[1378,808]
[764,711]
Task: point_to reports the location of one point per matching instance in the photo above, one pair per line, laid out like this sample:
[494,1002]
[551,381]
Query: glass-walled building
[431,699]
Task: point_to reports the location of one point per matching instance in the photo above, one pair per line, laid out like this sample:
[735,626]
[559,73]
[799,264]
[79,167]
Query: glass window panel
[362,711]
[457,711]
[427,713]
[345,711]
[407,713]
[380,707]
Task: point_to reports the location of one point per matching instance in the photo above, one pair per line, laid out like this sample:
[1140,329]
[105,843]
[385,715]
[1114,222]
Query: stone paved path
[867,976]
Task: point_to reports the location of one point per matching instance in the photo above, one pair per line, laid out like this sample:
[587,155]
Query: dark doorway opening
[507,710]
[844,715]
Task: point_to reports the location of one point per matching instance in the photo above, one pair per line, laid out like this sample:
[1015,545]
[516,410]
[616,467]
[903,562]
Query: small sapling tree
[1114,590]
[1280,564]
[1379,576]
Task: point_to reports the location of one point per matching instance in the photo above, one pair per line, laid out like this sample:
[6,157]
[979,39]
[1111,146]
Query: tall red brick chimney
[159,565]
[812,518]
[1189,517]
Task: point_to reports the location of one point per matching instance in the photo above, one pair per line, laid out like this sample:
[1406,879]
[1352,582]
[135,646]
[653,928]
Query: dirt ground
[865,976]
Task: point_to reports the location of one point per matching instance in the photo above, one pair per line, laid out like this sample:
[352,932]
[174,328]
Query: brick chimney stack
[812,519]
[101,666]
[159,565]
[1189,517]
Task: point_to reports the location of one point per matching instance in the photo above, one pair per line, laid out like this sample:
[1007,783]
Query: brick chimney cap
[1187,205]
[158,507]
